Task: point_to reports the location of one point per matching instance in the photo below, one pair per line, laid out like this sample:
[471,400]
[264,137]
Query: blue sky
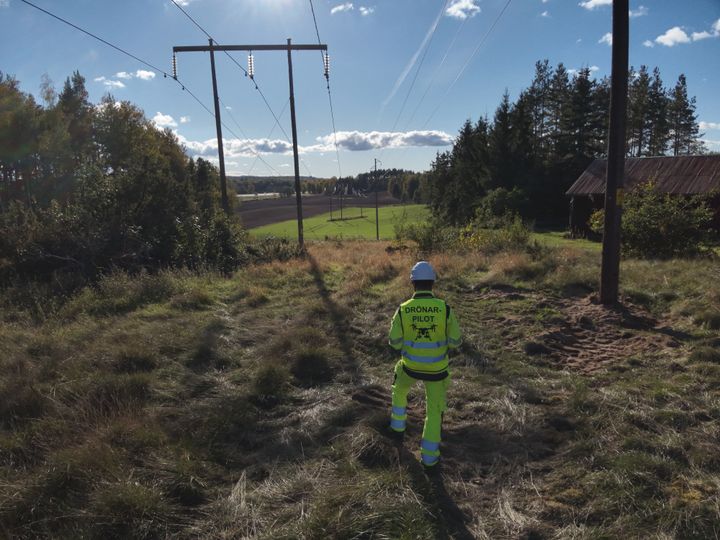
[372,44]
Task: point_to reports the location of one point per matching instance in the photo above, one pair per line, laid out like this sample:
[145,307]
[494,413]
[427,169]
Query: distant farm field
[256,213]
[354,225]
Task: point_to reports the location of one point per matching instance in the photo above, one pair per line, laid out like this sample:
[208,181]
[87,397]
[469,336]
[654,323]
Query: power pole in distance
[250,48]
[610,273]
[377,219]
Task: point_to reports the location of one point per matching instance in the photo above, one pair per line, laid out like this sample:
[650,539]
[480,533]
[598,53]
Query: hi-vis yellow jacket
[423,329]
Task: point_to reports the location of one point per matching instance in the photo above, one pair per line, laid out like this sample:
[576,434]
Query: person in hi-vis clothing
[423,329]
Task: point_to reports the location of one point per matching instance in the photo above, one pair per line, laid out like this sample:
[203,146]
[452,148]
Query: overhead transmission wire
[468,61]
[326,65]
[436,72]
[417,71]
[253,79]
[134,57]
[270,134]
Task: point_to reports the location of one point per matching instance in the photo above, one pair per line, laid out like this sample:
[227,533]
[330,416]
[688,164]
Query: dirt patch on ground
[586,336]
[594,337]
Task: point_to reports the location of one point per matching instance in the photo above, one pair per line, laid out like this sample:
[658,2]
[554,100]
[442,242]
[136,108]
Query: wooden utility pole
[218,128]
[610,273]
[250,48]
[298,194]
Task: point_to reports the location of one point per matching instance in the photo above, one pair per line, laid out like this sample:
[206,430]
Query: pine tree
[501,146]
[558,99]
[657,116]
[637,112]
[684,129]
[538,98]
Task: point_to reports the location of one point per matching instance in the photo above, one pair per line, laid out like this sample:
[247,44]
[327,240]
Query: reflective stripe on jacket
[423,329]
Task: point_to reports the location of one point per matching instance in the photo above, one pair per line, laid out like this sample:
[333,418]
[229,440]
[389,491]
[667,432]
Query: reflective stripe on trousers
[429,452]
[398,418]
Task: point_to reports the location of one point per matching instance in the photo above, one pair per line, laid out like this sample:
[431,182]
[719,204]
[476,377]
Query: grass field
[256,405]
[320,227]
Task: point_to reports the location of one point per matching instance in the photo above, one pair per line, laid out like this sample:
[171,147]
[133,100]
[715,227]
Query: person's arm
[396,331]
[453,330]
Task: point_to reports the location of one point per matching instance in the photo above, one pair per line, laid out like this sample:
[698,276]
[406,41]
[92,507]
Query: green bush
[499,207]
[662,226]
[429,235]
[512,235]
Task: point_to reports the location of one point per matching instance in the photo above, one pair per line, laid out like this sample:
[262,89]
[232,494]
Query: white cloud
[340,8]
[373,140]
[712,145]
[365,11]
[145,75]
[164,120]
[592,69]
[462,9]
[544,1]
[109,83]
[709,125]
[184,119]
[697,36]
[641,11]
[545,14]
[228,108]
[714,32]
[592,4]
[673,37]
[4,3]
[124,75]
[607,38]
[354,141]
[648,43]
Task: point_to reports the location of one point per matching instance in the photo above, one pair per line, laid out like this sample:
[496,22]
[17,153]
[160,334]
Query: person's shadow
[430,485]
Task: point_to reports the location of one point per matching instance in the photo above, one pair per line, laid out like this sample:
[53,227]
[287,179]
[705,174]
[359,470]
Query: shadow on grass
[340,324]
[431,487]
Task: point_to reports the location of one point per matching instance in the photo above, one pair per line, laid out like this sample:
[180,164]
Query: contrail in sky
[414,58]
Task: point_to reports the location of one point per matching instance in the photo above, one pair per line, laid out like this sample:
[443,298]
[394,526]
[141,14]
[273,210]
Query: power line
[468,61]
[327,79]
[134,57]
[437,71]
[253,79]
[417,72]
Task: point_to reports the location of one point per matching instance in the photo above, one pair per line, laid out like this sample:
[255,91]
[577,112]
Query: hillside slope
[256,406]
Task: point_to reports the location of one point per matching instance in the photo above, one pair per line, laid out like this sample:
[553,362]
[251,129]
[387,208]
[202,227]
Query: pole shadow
[340,324]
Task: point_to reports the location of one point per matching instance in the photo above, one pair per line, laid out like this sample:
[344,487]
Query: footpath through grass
[256,405]
[353,226]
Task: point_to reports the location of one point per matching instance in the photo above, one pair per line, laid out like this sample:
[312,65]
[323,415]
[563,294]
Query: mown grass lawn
[353,226]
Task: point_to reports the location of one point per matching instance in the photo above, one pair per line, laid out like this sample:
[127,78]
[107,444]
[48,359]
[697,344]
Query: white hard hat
[422,271]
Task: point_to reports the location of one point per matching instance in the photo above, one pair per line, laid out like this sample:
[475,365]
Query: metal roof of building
[674,174]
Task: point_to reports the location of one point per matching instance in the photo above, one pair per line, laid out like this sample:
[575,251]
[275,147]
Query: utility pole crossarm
[289,47]
[224,48]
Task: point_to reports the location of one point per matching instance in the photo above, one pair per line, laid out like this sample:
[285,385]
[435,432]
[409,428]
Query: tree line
[86,187]
[533,149]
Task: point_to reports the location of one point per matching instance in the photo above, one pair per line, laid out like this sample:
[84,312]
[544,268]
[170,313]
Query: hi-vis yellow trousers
[434,407]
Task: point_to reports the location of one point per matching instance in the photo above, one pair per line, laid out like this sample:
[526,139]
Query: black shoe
[432,470]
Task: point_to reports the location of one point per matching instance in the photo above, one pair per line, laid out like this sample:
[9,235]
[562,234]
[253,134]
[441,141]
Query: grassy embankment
[255,406]
[353,226]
